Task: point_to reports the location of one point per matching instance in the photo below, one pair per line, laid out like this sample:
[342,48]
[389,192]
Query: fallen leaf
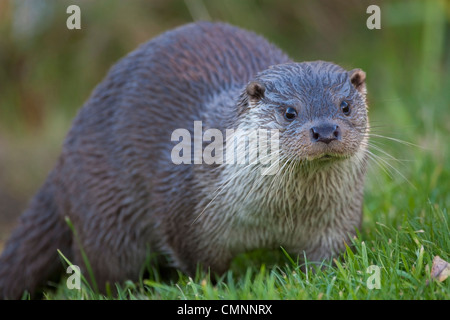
[440,269]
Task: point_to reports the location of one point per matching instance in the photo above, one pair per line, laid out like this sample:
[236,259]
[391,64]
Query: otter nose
[325,133]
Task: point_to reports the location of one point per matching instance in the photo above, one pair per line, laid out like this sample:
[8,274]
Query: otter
[125,197]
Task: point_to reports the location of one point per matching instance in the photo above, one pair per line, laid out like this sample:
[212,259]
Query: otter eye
[345,108]
[290,114]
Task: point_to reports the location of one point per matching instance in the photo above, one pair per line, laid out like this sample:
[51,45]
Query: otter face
[318,107]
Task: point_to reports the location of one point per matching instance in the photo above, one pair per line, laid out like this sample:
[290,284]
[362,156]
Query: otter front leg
[327,246]
[110,260]
[214,259]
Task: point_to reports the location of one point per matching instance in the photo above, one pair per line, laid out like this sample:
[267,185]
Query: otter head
[318,107]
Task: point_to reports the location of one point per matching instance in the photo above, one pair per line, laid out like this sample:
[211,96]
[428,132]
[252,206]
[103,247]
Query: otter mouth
[325,157]
[329,157]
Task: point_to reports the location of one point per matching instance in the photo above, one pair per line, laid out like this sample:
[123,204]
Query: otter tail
[30,257]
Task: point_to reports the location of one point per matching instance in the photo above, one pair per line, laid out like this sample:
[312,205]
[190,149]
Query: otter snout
[325,132]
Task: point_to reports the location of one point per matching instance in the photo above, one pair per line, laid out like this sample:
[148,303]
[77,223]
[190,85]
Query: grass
[404,256]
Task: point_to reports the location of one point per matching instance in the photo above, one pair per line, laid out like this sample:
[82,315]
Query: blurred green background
[47,72]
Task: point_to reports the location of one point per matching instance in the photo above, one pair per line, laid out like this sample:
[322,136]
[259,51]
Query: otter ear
[358,79]
[255,91]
